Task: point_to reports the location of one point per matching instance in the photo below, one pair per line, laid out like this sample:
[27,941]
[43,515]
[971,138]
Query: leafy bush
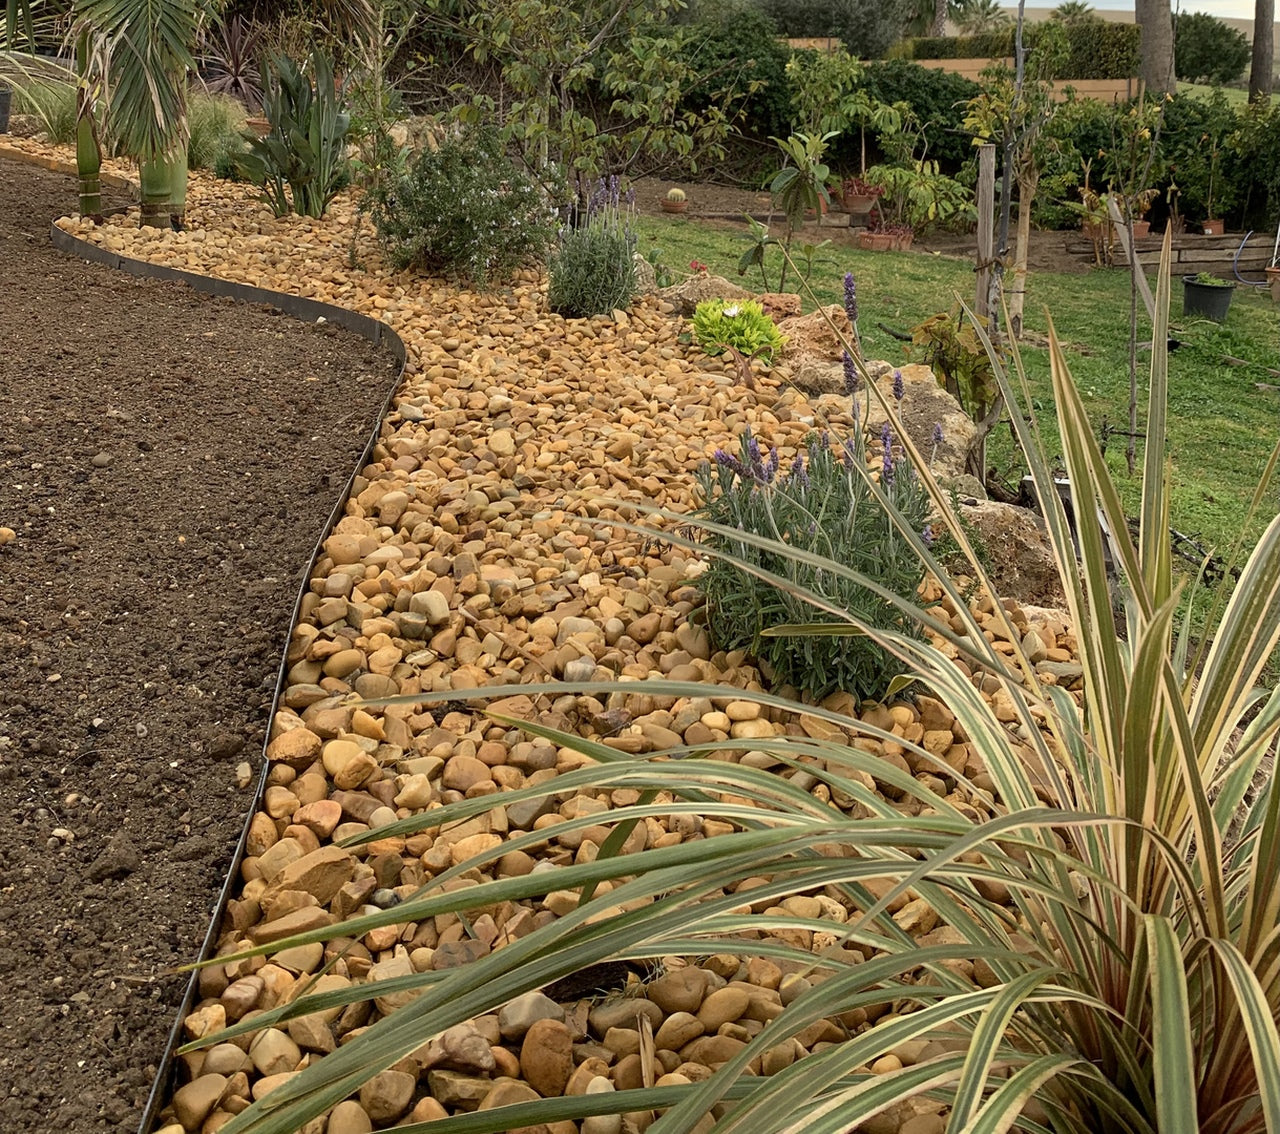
[1095,49]
[828,509]
[306,146]
[866,27]
[742,325]
[735,46]
[935,97]
[216,123]
[593,268]
[464,210]
[1207,50]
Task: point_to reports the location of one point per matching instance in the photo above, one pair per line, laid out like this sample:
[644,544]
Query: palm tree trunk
[939,26]
[155,176]
[1156,21]
[88,149]
[178,188]
[1260,72]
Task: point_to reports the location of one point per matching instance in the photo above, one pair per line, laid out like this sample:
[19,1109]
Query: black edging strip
[309,311]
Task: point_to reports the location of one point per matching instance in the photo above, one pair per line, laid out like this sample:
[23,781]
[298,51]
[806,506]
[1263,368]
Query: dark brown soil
[167,462]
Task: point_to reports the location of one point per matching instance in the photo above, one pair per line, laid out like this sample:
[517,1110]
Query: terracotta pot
[859,204]
[1141,228]
[1215,227]
[673,206]
[1273,282]
[875,241]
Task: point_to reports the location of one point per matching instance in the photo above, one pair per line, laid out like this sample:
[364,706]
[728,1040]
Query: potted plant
[858,197]
[1206,295]
[1137,207]
[675,201]
[876,237]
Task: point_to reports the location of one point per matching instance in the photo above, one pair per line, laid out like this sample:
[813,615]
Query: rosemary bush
[826,507]
[464,210]
[593,267]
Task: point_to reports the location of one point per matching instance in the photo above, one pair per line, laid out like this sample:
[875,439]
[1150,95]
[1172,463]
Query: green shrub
[306,147]
[742,325]
[464,210]
[826,508]
[866,27]
[936,98]
[593,269]
[1095,49]
[1207,50]
[216,123]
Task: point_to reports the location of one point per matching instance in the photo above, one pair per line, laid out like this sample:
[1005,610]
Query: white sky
[1237,9]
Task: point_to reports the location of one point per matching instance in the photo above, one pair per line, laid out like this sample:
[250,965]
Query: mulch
[167,462]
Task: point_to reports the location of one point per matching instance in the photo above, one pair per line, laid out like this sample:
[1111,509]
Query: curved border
[305,310]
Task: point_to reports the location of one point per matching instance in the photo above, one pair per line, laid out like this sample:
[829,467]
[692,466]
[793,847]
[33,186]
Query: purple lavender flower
[899,387]
[850,375]
[886,466]
[771,466]
[798,472]
[757,459]
[851,298]
[927,535]
[730,462]
[937,433]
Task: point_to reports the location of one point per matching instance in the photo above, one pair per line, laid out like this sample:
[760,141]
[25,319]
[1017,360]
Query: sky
[1237,9]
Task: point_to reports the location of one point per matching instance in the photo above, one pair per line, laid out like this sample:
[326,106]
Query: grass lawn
[1221,426]
[1235,96]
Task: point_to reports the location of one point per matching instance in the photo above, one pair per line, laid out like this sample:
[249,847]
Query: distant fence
[1104,90]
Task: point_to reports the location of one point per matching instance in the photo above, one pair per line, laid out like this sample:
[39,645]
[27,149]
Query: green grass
[1221,426]
[1235,95]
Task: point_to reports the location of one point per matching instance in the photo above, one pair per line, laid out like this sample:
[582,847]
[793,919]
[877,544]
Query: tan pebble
[723,1006]
[349,1117]
[885,1064]
[741,711]
[677,1030]
[274,1053]
[546,1057]
[387,1096]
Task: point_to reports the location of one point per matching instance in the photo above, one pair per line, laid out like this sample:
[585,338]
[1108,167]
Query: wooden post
[986,225]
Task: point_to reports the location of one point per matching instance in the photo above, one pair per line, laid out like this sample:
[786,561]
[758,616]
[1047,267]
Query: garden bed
[482,546]
[168,461]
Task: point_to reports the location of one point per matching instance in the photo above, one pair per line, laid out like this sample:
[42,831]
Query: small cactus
[675,195]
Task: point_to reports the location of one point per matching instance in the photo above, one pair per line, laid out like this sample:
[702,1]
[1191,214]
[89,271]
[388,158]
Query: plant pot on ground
[1215,226]
[875,241]
[1141,228]
[858,198]
[675,201]
[1207,296]
[1273,282]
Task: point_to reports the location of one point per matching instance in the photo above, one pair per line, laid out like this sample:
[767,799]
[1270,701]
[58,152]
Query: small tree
[978,16]
[1208,51]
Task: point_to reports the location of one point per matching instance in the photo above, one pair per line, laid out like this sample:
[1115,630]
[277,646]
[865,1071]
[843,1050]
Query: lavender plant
[826,506]
[592,268]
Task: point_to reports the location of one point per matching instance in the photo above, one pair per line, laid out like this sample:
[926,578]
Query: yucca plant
[1132,974]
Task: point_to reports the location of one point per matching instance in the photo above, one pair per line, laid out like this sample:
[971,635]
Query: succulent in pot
[675,201]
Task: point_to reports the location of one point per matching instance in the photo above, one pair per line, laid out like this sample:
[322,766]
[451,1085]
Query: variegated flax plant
[1121,902]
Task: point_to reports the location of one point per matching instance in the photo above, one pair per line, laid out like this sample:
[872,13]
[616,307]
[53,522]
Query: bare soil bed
[166,462]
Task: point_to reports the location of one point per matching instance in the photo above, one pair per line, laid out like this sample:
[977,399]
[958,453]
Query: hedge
[1095,49]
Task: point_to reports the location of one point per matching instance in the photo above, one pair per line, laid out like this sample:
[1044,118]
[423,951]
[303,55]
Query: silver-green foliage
[592,269]
[53,103]
[464,210]
[828,508]
[305,149]
[1129,979]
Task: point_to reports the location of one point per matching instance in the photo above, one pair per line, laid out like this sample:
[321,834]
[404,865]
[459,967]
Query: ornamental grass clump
[824,506]
[740,325]
[592,268]
[1108,908]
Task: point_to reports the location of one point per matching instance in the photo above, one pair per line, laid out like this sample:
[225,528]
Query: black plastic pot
[1208,300]
[6,97]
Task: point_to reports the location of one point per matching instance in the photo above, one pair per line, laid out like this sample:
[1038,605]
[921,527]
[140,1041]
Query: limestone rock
[1021,561]
[926,405]
[687,294]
